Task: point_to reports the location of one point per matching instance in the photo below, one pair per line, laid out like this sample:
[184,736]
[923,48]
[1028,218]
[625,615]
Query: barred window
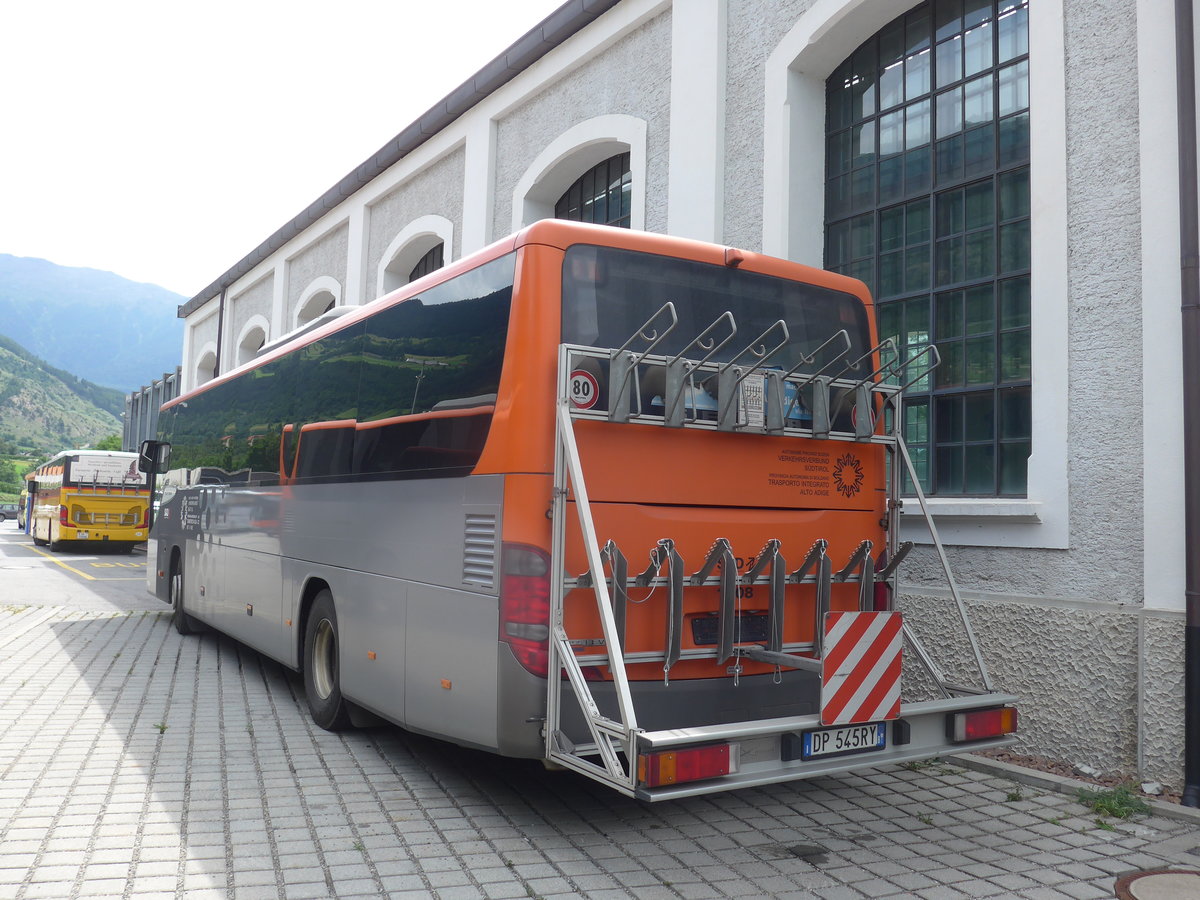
[432,260]
[927,201]
[601,195]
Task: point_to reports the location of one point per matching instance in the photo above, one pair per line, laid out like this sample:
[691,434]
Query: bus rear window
[609,293]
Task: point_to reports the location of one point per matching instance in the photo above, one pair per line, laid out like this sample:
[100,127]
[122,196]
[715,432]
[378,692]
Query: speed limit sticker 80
[584,388]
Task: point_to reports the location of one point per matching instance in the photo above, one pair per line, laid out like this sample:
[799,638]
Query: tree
[112,442]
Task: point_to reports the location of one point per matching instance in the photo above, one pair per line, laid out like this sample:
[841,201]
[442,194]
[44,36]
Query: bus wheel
[322,683]
[183,623]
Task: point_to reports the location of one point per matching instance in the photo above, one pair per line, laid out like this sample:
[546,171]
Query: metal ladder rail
[900,449]
[610,737]
[963,614]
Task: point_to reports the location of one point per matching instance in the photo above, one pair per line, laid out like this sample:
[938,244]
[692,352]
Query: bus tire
[322,680]
[184,624]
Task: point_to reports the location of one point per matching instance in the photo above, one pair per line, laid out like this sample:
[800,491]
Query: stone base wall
[1084,697]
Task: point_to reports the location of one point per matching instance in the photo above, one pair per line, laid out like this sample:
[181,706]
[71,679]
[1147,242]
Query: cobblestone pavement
[136,763]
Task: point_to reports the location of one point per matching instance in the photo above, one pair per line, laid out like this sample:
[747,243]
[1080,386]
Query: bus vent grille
[479,551]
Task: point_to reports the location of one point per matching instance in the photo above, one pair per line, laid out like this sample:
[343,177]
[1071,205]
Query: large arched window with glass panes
[601,195]
[927,201]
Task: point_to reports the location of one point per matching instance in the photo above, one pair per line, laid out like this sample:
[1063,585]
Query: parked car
[8,511]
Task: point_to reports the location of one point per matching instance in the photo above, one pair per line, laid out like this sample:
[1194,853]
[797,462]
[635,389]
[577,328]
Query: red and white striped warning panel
[860,673]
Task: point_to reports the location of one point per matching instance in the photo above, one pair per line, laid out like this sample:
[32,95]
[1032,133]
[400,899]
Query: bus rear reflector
[525,605]
[882,599]
[687,764]
[980,724]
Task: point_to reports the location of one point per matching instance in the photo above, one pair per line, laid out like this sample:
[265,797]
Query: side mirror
[153,456]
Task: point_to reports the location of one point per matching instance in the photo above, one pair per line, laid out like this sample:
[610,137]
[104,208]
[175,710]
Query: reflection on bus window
[411,389]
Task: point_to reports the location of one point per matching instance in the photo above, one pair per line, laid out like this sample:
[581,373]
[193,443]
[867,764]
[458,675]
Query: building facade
[1003,174]
[139,421]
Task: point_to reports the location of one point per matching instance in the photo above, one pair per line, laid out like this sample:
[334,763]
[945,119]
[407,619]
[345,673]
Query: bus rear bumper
[763,748]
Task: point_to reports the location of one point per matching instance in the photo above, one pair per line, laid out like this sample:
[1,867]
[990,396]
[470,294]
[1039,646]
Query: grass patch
[1119,802]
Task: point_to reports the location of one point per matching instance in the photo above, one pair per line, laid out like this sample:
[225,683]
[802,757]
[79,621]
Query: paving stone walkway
[136,764]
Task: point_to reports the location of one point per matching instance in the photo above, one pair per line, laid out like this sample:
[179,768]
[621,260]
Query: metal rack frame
[611,755]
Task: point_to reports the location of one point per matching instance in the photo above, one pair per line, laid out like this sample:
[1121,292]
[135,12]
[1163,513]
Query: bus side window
[325,406]
[325,450]
[430,373]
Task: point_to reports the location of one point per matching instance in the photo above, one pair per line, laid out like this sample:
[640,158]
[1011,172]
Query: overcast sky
[164,141]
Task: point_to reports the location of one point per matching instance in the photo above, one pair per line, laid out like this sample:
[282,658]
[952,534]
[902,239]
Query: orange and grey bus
[622,502]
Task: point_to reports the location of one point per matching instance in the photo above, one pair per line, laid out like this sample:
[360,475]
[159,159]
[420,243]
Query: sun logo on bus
[848,475]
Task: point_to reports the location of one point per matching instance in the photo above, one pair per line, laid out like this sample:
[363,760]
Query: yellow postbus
[81,497]
[622,502]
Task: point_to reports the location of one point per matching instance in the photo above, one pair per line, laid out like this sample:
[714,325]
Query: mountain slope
[100,326]
[44,409]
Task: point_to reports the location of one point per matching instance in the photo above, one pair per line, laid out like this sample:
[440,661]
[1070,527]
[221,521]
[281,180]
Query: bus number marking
[585,390]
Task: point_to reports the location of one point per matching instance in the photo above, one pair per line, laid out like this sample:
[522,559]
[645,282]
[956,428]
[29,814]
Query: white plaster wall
[754,29]
[256,300]
[327,255]
[200,331]
[435,190]
[632,77]
[203,330]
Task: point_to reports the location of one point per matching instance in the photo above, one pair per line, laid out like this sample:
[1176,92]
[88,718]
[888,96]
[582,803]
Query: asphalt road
[86,579]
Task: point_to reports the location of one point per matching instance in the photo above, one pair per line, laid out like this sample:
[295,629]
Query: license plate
[82,535]
[843,741]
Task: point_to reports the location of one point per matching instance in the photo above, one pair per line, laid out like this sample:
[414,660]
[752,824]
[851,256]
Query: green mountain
[44,409]
[102,327]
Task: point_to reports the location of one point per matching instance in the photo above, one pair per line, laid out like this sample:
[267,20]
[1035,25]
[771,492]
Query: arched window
[320,296]
[251,340]
[432,260]
[206,368]
[423,245]
[927,201]
[601,195]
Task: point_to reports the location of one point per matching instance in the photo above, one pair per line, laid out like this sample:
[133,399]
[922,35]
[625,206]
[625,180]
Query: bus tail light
[525,605]
[979,724]
[146,517]
[687,764]
[62,516]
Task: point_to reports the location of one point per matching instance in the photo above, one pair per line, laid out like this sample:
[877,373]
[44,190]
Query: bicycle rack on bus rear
[750,397]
